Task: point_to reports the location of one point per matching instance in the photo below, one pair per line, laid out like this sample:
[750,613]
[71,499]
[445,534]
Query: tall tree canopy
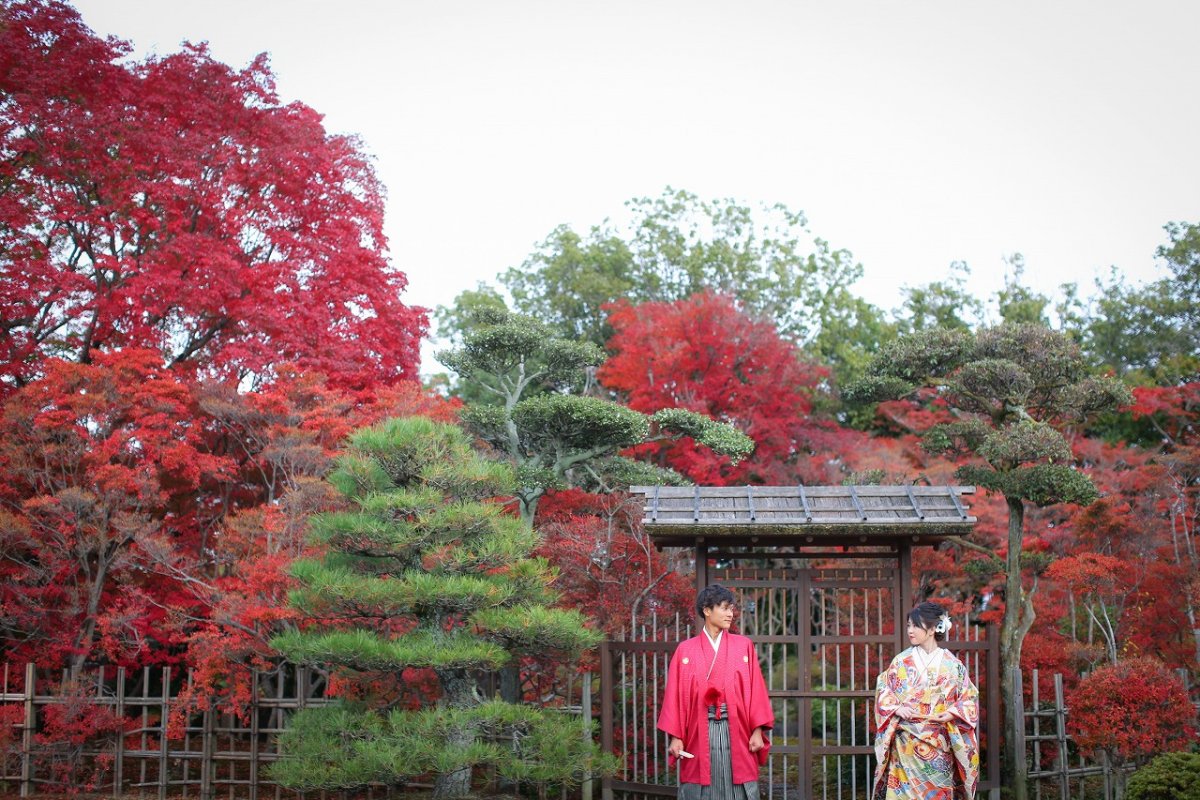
[677,245]
[708,356]
[1151,332]
[176,204]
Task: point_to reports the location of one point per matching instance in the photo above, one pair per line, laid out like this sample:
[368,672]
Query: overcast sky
[912,133]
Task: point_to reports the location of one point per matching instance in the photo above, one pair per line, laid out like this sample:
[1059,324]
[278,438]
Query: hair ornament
[944,624]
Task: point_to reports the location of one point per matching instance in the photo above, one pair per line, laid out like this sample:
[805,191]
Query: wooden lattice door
[823,636]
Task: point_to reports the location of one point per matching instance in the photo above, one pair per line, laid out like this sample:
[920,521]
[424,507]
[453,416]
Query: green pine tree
[425,570]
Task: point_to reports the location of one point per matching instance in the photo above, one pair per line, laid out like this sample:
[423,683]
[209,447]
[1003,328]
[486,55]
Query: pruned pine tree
[554,437]
[425,569]
[1012,388]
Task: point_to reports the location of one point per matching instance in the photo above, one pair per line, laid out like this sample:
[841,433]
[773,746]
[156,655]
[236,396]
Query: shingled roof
[687,513]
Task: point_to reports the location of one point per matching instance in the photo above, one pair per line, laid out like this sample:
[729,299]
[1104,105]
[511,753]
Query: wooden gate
[823,636]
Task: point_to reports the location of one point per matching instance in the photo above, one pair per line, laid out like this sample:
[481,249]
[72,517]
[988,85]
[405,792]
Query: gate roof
[677,516]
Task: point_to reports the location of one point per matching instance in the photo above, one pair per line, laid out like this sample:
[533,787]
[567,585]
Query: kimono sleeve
[671,716]
[888,694]
[962,701]
[759,713]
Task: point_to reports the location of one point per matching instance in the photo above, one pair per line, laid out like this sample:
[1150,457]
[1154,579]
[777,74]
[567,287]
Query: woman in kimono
[926,712]
[715,708]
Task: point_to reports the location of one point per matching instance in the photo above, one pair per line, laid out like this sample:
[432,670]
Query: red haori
[734,675]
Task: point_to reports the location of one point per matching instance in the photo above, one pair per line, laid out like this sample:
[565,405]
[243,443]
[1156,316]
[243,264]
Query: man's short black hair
[712,596]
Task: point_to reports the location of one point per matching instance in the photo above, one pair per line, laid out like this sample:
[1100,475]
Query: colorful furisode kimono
[918,759]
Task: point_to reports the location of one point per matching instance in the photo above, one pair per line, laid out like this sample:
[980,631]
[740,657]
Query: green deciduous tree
[677,245]
[1151,333]
[941,304]
[1011,388]
[424,571]
[557,439]
[1019,304]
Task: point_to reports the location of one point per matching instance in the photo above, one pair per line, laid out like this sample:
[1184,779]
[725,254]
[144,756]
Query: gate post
[995,723]
[585,703]
[606,712]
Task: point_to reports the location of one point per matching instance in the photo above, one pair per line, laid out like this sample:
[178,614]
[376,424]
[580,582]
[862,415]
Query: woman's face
[918,636]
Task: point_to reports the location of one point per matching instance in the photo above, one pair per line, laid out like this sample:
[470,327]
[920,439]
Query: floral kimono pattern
[918,759]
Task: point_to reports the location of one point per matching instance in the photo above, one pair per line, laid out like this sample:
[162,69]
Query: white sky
[912,133]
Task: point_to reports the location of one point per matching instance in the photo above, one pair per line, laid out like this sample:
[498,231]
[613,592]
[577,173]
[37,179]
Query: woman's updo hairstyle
[931,616]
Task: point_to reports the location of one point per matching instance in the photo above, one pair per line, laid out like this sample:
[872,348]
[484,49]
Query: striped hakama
[722,786]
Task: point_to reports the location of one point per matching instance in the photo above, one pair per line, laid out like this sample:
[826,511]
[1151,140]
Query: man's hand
[756,741]
[905,713]
[675,747]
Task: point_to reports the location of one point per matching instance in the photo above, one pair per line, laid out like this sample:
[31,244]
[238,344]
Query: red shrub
[77,739]
[1132,710]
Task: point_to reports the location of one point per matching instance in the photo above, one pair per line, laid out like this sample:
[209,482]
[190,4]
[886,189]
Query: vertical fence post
[27,732]
[606,712]
[119,760]
[995,723]
[1060,732]
[1018,705]
[301,700]
[585,702]
[1035,699]
[254,680]
[163,756]
[207,790]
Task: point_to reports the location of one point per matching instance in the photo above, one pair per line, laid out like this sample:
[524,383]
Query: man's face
[720,616]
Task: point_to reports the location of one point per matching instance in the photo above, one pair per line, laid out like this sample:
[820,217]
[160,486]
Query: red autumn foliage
[101,465]
[1172,410]
[176,204]
[12,718]
[608,567]
[1133,710]
[283,439]
[149,516]
[707,355]
[73,724]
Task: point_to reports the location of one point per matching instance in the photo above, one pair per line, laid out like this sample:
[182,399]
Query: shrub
[1172,776]
[1132,710]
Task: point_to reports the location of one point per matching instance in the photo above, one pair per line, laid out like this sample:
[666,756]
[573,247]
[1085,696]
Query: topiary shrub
[1172,776]
[1132,711]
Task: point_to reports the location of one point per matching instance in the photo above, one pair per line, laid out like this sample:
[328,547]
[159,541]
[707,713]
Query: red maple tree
[177,204]
[1132,710]
[707,355]
[608,567]
[101,465]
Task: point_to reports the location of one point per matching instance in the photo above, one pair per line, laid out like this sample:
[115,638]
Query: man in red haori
[715,708]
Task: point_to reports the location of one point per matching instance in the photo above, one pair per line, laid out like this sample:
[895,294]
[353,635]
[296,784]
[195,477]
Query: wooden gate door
[823,636]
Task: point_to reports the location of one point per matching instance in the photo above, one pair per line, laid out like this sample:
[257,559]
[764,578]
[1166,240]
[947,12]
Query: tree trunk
[87,631]
[1012,636]
[527,503]
[460,693]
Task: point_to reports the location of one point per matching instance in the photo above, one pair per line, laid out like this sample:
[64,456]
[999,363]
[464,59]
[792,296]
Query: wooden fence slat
[163,762]
[30,722]
[254,679]
[206,759]
[119,760]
